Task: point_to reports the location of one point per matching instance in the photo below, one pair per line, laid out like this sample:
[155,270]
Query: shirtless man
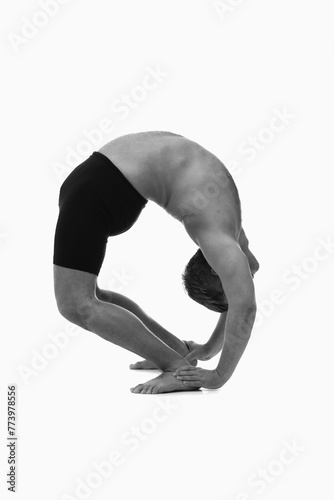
[102,197]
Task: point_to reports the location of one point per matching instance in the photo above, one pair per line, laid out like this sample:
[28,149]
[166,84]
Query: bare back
[178,174]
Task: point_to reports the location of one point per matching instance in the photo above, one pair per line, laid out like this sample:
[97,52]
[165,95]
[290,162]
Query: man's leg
[77,302]
[168,338]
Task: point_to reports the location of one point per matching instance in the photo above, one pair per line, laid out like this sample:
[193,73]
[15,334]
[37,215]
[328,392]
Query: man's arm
[227,259]
[223,252]
[215,343]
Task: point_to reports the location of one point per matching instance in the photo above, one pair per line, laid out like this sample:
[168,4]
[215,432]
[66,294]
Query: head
[203,285]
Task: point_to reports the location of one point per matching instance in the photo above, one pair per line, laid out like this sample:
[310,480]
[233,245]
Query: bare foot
[165,382]
[143,365]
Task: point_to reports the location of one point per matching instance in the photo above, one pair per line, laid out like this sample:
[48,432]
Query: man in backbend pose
[102,197]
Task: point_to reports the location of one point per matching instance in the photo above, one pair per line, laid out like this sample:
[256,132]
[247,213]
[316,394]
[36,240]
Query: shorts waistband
[108,162]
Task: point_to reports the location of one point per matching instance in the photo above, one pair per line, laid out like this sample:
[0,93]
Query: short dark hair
[202,285]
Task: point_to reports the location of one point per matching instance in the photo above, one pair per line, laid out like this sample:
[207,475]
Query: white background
[226,71]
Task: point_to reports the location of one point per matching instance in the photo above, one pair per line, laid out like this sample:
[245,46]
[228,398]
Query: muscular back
[178,174]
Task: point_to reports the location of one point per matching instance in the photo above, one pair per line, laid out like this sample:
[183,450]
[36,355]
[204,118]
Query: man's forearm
[215,343]
[239,324]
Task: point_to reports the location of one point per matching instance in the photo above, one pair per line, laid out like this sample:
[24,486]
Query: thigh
[81,233]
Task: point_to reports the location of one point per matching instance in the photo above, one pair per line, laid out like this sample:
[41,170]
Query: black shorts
[95,201]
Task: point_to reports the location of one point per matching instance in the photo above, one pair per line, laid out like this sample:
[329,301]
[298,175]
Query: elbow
[244,304]
[250,306]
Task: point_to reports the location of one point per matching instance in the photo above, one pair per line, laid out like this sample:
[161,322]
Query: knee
[76,310]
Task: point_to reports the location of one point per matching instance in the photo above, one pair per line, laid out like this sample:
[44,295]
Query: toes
[137,389]
[141,389]
[144,389]
[133,366]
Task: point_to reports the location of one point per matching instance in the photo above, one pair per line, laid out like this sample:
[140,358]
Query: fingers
[187,378]
[189,375]
[194,384]
[184,368]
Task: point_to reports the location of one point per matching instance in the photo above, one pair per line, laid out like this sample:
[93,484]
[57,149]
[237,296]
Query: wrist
[219,382]
[222,378]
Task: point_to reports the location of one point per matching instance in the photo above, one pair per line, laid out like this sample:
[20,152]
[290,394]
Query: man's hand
[198,377]
[197,351]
